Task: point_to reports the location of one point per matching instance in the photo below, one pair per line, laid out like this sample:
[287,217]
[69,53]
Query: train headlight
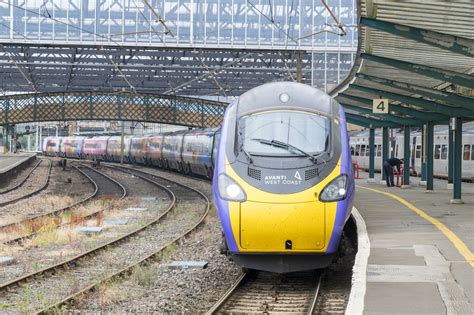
[229,189]
[336,190]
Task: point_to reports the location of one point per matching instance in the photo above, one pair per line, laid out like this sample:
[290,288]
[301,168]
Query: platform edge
[355,304]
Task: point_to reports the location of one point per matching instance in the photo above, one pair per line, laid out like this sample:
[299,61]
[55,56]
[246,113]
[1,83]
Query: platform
[12,163]
[420,259]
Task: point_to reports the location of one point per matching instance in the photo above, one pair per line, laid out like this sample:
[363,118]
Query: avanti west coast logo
[282,179]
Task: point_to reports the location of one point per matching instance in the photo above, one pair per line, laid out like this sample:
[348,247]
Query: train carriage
[139,150]
[197,152]
[283,185]
[51,146]
[360,150]
[71,147]
[172,149]
[95,148]
[155,145]
[114,148]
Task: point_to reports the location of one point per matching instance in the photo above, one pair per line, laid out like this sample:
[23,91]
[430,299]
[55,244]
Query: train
[191,152]
[280,166]
[283,185]
[360,150]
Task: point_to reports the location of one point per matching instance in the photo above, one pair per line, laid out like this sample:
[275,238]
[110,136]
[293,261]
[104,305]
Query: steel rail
[68,262]
[34,192]
[22,181]
[223,299]
[124,190]
[55,213]
[221,304]
[148,258]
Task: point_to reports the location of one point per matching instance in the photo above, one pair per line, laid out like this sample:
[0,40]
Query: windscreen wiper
[249,157]
[287,146]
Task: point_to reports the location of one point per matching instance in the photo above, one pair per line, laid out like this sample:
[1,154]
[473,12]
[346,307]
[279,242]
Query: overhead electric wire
[272,21]
[159,18]
[28,80]
[211,73]
[89,32]
[146,19]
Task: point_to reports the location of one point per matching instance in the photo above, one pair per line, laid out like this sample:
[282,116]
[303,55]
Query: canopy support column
[457,173]
[372,151]
[423,156]
[406,157]
[385,148]
[429,155]
[450,154]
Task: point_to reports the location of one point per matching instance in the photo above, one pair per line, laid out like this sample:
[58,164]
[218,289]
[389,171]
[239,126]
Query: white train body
[360,150]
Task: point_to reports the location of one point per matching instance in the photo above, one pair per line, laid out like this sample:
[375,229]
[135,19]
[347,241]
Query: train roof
[268,96]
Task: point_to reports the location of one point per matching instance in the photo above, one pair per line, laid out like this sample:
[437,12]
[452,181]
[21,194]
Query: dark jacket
[394,162]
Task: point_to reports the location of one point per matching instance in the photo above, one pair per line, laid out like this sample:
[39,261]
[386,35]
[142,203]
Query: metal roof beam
[357,122]
[450,98]
[385,117]
[430,105]
[399,109]
[460,45]
[435,73]
[371,121]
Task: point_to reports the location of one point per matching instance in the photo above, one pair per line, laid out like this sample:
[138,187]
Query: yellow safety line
[458,243]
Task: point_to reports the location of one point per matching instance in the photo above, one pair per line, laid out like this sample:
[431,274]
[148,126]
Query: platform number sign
[380,106]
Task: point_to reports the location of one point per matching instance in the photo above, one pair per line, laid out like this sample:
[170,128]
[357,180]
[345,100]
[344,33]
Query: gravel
[187,291]
[52,287]
[17,177]
[35,182]
[57,195]
[55,245]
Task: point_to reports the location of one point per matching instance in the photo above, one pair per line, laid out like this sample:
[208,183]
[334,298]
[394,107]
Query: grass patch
[50,234]
[143,276]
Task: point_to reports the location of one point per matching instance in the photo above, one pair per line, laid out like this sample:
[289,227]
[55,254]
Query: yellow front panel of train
[269,226]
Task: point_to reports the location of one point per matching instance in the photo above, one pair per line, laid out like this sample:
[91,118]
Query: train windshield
[284,133]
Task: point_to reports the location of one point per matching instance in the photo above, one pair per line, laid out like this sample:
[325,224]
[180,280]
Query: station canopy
[183,47]
[418,56]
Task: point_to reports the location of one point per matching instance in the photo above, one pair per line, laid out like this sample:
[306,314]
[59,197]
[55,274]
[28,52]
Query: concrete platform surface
[421,259]
[10,161]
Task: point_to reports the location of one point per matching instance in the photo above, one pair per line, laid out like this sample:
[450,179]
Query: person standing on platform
[388,166]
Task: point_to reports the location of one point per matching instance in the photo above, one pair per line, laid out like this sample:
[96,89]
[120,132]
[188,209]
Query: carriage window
[444,152]
[437,152]
[472,153]
[357,153]
[362,150]
[379,150]
[418,152]
[467,151]
[352,150]
[368,150]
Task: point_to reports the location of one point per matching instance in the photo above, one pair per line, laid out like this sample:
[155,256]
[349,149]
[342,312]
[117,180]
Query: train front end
[283,186]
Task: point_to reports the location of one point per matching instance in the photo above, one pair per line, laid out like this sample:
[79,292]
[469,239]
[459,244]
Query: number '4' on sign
[380,106]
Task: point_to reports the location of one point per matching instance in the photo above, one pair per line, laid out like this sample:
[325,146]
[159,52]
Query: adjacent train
[360,150]
[283,185]
[187,151]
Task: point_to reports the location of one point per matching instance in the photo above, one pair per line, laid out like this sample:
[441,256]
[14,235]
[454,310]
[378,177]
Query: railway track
[107,186]
[6,199]
[104,186]
[269,293]
[22,181]
[127,250]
